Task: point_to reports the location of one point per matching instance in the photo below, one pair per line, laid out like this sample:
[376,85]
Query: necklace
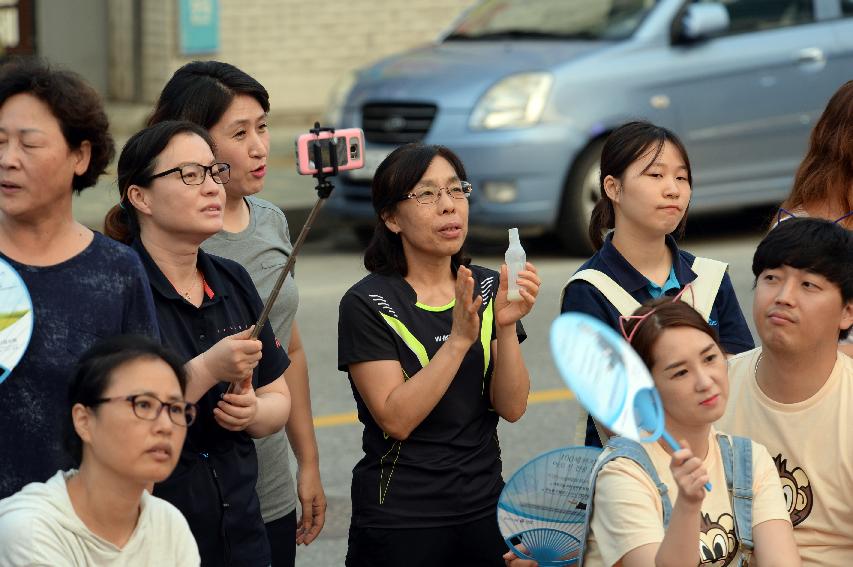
[188,293]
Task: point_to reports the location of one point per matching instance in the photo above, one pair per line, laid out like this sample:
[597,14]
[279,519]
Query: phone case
[353,149]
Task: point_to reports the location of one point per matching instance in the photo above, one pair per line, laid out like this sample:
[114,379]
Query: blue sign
[199,26]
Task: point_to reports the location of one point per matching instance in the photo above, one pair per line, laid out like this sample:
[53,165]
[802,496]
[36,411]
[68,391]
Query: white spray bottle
[516,260]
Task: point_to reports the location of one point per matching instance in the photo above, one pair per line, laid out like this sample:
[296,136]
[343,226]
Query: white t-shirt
[628,511]
[39,528]
[812,447]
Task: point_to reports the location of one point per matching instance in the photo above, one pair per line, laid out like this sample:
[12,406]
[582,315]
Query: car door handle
[810,55]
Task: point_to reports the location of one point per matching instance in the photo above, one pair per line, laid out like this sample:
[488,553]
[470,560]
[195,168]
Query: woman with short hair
[54,142]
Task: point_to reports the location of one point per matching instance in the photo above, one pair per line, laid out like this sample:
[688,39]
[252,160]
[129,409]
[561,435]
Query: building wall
[298,50]
[74,35]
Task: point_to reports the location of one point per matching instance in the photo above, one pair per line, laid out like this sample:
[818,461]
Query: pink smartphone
[348,144]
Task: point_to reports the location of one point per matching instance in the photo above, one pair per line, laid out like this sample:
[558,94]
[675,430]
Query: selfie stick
[324,189]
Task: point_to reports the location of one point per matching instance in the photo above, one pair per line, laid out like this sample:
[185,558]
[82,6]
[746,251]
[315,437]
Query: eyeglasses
[194,173]
[793,216]
[431,195]
[148,407]
[623,319]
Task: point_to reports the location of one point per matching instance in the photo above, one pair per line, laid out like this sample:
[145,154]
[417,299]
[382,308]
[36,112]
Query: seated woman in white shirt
[628,525]
[126,426]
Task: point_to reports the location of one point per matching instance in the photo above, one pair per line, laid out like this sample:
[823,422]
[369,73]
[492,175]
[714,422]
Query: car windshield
[551,19]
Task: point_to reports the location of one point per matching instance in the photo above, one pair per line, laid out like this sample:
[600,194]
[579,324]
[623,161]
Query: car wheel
[580,194]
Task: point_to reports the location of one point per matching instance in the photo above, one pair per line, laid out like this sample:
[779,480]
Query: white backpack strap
[625,304]
[707,283]
[618,297]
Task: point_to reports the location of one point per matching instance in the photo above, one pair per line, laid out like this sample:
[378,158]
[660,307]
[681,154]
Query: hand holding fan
[542,509]
[16,319]
[608,378]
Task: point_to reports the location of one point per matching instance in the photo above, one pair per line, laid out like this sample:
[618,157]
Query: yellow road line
[351,417]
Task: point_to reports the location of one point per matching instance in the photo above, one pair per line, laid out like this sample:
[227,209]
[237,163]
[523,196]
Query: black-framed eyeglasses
[194,173]
[148,407]
[429,195]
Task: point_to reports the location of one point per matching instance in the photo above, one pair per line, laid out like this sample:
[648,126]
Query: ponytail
[603,218]
[121,225]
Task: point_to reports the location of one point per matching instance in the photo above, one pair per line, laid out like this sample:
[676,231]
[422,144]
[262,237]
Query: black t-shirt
[214,482]
[448,471]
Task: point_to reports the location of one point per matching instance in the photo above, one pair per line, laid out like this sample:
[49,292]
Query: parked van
[525,91]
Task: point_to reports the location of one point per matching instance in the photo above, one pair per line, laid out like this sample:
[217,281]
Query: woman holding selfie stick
[650,505]
[232,106]
[171,200]
[431,347]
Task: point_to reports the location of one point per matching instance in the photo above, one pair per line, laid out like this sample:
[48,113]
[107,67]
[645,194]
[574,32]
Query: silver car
[525,91]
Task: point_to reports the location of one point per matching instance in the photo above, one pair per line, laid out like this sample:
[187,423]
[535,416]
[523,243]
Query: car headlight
[337,99]
[513,102]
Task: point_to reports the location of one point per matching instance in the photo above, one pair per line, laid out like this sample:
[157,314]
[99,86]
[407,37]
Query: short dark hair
[395,177]
[75,105]
[624,146]
[667,314]
[811,244]
[94,372]
[136,166]
[201,92]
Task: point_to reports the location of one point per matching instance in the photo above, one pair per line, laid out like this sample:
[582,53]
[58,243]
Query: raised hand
[466,319]
[508,312]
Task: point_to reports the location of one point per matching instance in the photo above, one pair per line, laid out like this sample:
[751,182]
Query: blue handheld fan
[608,378]
[542,509]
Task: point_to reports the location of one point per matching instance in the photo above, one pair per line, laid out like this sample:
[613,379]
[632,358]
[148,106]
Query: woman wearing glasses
[126,422]
[170,201]
[232,106]
[650,506]
[55,142]
[431,347]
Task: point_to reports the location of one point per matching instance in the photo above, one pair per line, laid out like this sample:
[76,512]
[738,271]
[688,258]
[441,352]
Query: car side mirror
[700,21]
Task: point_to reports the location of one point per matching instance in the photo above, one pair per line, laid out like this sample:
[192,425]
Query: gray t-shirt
[263,248]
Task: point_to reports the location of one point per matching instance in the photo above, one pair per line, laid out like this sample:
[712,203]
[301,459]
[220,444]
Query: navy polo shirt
[213,484]
[726,316]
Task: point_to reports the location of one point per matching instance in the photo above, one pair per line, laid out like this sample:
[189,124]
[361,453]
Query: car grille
[396,123]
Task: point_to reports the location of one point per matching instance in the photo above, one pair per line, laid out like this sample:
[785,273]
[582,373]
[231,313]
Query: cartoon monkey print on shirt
[797,490]
[717,542]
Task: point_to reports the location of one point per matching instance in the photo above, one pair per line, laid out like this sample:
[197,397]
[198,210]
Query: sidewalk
[284,187]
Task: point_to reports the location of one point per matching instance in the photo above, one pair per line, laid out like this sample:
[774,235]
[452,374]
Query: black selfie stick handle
[324,189]
[262,319]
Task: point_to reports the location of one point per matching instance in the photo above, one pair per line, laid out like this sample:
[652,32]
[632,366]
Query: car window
[847,7]
[756,15]
[551,19]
